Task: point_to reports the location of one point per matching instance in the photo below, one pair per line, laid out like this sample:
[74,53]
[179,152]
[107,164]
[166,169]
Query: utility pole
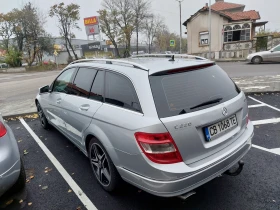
[209,41]
[180,6]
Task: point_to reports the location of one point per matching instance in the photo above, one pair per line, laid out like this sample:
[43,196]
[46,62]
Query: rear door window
[119,91]
[186,92]
[83,82]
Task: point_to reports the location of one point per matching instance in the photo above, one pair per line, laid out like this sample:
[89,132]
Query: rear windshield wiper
[207,103]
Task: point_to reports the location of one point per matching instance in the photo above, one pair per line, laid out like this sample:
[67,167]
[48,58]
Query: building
[233,29]
[59,46]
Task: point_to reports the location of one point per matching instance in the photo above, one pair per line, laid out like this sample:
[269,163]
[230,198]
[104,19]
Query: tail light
[159,147]
[3,130]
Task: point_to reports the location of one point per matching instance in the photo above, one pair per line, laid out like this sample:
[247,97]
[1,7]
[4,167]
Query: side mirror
[271,51]
[44,89]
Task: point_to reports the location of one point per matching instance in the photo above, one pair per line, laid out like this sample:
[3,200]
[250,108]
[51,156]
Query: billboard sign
[94,46]
[172,43]
[92,29]
[91,21]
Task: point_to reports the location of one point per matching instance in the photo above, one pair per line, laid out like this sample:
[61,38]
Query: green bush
[13,58]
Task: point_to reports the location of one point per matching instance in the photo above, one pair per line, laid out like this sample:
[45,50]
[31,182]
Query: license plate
[213,131]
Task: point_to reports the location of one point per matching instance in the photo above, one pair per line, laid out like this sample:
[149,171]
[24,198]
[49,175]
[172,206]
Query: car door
[275,54]
[84,99]
[52,101]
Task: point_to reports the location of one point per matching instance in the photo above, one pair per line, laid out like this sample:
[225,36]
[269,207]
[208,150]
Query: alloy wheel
[100,164]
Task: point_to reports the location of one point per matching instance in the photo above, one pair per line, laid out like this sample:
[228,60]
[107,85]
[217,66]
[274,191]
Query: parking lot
[59,175]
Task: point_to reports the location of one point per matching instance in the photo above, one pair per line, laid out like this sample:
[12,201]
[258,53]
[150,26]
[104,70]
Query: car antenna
[172,58]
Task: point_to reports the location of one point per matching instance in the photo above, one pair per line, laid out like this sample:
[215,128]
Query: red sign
[91,21]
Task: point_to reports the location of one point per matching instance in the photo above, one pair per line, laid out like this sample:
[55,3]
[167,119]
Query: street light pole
[180,6]
[210,26]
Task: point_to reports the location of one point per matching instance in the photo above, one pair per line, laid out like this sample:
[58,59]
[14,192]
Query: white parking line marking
[257,105]
[78,191]
[268,121]
[272,107]
[273,151]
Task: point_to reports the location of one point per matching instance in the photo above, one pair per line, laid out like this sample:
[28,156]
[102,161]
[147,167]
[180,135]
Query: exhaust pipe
[237,171]
[186,195]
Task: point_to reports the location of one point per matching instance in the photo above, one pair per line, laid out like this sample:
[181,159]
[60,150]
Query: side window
[277,49]
[120,92]
[83,81]
[62,82]
[97,90]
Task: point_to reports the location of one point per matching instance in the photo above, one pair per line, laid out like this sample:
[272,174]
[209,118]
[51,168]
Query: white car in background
[272,55]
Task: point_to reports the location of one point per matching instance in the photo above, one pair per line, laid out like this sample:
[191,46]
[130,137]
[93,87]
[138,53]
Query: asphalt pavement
[257,187]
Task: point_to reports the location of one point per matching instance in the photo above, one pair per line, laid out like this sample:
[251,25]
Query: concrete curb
[18,115]
[222,61]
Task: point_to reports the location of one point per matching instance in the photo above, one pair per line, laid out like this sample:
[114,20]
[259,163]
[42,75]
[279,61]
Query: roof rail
[111,61]
[169,56]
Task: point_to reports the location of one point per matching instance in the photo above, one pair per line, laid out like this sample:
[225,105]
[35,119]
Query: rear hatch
[201,107]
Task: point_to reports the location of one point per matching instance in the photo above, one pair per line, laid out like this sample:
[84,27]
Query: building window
[237,33]
[204,37]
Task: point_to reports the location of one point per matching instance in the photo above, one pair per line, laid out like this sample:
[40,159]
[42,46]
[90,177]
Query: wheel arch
[96,132]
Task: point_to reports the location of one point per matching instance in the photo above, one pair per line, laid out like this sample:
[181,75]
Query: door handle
[84,107]
[58,101]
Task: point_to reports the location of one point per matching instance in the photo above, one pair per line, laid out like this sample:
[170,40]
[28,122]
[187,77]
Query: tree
[6,28]
[109,27]
[141,13]
[32,28]
[268,32]
[152,26]
[18,31]
[124,19]
[45,45]
[68,16]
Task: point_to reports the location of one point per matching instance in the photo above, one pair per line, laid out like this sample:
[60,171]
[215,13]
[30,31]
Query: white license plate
[213,131]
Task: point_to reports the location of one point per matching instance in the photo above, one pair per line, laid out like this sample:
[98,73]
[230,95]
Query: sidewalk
[258,83]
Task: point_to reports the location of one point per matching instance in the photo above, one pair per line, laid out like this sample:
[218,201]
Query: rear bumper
[9,161]
[193,180]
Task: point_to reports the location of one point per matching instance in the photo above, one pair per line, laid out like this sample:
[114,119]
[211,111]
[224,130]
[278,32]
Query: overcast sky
[169,9]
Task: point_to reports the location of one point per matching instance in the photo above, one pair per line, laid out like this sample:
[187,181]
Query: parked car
[11,168]
[272,55]
[4,66]
[164,126]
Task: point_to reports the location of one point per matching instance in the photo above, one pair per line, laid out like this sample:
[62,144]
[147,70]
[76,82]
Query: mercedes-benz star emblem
[225,112]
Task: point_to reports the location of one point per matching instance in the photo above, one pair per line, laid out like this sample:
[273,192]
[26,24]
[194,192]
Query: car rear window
[179,93]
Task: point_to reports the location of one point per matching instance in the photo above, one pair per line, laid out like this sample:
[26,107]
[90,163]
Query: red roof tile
[246,15]
[220,6]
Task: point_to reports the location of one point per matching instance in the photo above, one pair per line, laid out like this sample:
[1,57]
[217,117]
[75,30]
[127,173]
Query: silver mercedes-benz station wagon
[166,124]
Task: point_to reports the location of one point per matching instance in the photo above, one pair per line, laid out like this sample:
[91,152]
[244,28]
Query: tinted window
[181,93]
[277,48]
[62,83]
[120,92]
[83,81]
[97,90]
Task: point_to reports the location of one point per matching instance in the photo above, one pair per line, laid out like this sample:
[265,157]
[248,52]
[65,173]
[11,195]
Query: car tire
[20,183]
[257,59]
[43,120]
[102,166]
